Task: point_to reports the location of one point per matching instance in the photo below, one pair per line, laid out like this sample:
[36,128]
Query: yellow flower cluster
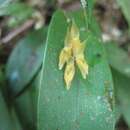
[71,54]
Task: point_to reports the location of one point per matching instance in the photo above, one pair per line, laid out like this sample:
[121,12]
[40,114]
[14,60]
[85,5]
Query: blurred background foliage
[23,32]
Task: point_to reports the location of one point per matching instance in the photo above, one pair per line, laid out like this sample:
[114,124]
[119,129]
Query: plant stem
[84,5]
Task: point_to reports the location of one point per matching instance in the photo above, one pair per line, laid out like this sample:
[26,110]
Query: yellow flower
[71,54]
[69,73]
[83,66]
[64,56]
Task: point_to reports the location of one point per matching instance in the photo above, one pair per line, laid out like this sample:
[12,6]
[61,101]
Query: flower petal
[64,56]
[83,66]
[74,31]
[78,47]
[69,73]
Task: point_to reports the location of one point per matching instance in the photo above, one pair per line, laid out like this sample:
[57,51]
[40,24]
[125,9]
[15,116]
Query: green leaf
[26,106]
[118,112]
[5,2]
[88,105]
[1,76]
[5,119]
[88,11]
[16,122]
[122,89]
[118,58]
[125,6]
[94,26]
[25,60]
[19,12]
[15,9]
[8,118]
